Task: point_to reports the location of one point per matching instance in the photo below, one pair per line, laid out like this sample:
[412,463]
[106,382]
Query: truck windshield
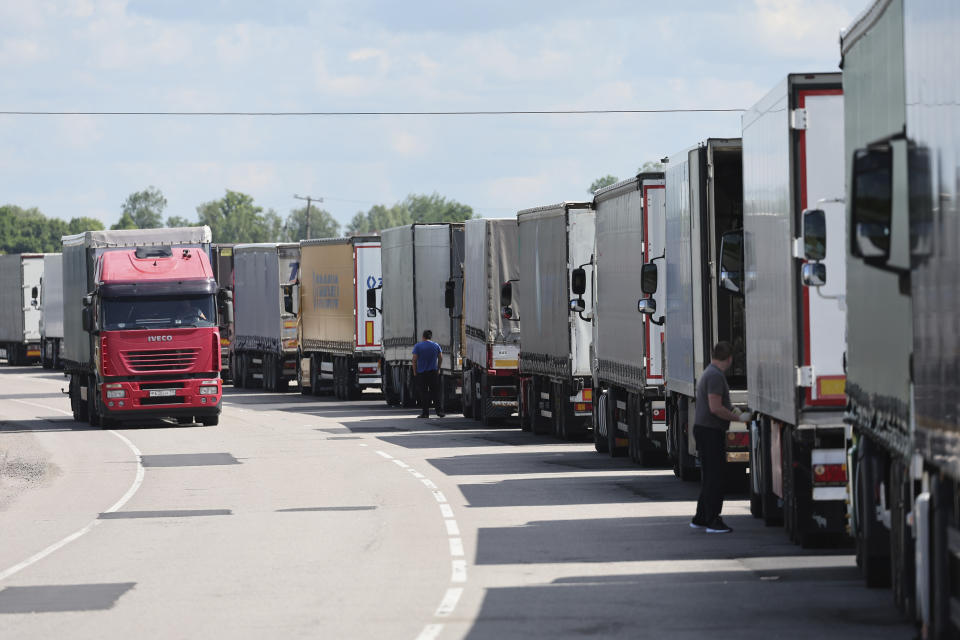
[168,312]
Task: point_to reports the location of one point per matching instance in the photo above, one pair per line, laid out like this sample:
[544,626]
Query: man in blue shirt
[427,358]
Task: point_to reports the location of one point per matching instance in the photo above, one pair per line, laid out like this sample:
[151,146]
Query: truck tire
[406,397]
[93,410]
[902,572]
[600,443]
[526,417]
[871,535]
[315,375]
[44,362]
[210,421]
[354,390]
[684,465]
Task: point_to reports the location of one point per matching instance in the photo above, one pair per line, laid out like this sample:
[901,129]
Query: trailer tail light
[588,395]
[367,370]
[830,474]
[503,392]
[659,415]
[738,440]
[224,342]
[490,357]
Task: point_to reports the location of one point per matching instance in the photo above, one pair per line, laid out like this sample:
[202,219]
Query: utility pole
[309,199]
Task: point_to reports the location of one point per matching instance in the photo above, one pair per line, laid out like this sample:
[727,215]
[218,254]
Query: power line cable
[537,112]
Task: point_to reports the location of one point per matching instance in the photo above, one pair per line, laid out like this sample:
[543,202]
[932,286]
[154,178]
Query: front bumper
[162,398]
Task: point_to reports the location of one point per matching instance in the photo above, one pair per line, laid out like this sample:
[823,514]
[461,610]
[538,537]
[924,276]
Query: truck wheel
[210,421]
[354,390]
[93,410]
[874,563]
[599,407]
[902,573]
[526,423]
[406,398]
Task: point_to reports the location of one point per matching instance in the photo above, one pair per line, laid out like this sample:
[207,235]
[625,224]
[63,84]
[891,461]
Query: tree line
[233,218]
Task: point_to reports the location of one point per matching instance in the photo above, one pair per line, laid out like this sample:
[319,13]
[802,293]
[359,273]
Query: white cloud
[80,132]
[798,27]
[407,144]
[18,51]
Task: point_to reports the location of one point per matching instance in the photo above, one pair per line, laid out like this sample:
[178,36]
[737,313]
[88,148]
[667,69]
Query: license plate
[162,393]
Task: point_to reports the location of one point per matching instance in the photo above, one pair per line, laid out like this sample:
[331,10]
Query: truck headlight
[117,393]
[208,391]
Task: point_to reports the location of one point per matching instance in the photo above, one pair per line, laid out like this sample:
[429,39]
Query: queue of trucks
[829,266]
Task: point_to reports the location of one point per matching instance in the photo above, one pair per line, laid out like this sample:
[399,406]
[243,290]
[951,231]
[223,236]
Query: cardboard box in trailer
[629,407]
[491,384]
[903,206]
[264,348]
[51,311]
[556,246]
[422,289]
[140,326]
[20,276]
[795,342]
[704,203]
[340,338]
[221,257]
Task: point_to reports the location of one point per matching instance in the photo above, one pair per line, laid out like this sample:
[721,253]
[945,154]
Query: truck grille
[160,360]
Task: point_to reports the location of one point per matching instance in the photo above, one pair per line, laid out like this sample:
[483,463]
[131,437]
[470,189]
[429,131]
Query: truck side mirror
[506,294]
[507,312]
[814,234]
[295,299]
[814,274]
[228,311]
[577,305]
[371,299]
[86,319]
[731,261]
[35,293]
[449,295]
[578,281]
[647,306]
[87,300]
[648,278]
[871,203]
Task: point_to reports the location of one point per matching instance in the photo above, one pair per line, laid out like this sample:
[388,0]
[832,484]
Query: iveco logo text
[159,338]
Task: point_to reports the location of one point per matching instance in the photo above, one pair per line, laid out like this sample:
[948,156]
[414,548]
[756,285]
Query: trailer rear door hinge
[798,119]
[805,376]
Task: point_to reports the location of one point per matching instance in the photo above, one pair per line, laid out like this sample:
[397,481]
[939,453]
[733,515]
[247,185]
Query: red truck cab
[157,344]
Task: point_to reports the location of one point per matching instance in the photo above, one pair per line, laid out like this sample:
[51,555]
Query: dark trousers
[428,382]
[713,460]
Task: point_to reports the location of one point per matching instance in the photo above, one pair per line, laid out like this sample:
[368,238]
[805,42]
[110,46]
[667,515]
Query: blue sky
[368,55]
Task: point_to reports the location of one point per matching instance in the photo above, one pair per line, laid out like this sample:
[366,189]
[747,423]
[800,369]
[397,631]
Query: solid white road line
[37,557]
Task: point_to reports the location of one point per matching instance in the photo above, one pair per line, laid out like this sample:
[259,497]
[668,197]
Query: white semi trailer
[630,408]
[492,318]
[704,203]
[264,348]
[50,303]
[796,334]
[901,97]
[422,290]
[20,276]
[556,249]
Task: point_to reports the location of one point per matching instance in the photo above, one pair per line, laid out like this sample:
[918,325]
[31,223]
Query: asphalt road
[310,517]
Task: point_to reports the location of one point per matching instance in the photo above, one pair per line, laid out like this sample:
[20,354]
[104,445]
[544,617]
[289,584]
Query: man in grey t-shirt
[714,412]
